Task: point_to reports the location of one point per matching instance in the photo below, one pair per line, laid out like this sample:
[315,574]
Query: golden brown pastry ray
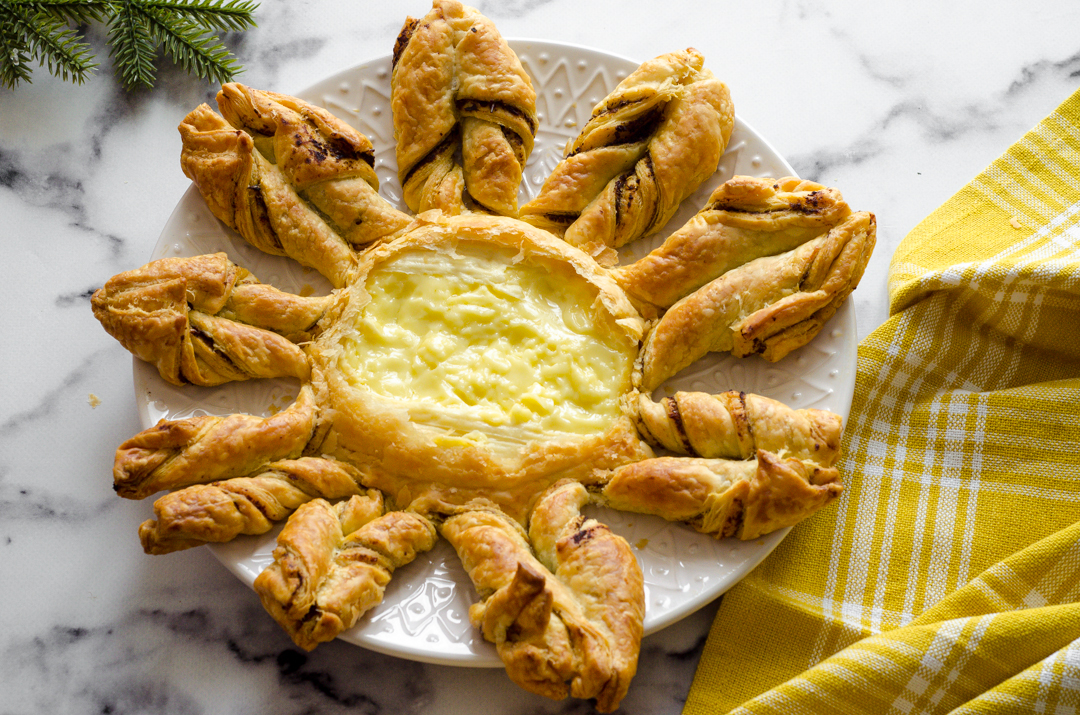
[221,511]
[205,321]
[198,450]
[250,195]
[724,498]
[734,425]
[601,571]
[456,84]
[332,564]
[648,145]
[571,627]
[327,162]
[769,306]
[745,218]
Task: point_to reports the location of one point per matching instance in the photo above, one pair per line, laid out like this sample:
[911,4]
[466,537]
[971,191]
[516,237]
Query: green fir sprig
[50,33]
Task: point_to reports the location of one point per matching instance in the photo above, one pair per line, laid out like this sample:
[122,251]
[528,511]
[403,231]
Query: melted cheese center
[483,346]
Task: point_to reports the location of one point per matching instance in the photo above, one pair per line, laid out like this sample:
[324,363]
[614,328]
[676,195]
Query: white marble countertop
[897,105]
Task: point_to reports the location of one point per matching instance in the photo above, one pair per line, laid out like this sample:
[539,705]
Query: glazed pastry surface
[648,145]
[332,564]
[745,218]
[735,425]
[567,620]
[741,498]
[206,321]
[464,113]
[769,306]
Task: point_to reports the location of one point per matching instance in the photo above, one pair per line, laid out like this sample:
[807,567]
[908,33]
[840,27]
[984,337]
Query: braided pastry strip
[332,564]
[570,625]
[735,425]
[457,84]
[746,499]
[745,218]
[648,145]
[251,196]
[220,511]
[769,306]
[327,162]
[205,321]
[198,450]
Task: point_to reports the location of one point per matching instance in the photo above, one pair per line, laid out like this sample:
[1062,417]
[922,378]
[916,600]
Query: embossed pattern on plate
[424,615]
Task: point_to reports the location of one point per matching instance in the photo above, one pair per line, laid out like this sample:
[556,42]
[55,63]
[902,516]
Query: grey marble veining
[897,104]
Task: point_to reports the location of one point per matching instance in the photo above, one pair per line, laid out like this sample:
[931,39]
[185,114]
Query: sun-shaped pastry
[477,377]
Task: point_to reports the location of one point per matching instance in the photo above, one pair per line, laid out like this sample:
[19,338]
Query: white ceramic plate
[424,615]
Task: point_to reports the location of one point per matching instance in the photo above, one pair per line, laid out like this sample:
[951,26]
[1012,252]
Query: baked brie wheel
[476,377]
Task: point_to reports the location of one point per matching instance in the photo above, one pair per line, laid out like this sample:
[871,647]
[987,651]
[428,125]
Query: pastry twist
[205,321]
[567,620]
[648,145]
[252,196]
[769,306]
[332,564]
[328,163]
[198,450]
[457,85]
[734,425]
[745,218]
[221,511]
[746,499]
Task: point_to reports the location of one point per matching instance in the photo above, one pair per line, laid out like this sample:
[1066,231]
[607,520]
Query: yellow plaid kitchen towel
[962,457]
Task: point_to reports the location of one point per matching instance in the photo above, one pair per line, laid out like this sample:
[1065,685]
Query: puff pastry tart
[648,145]
[464,113]
[474,376]
[478,355]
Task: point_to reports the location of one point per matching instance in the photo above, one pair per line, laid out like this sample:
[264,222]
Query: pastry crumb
[641,544]
[306,290]
[1015,222]
[94,400]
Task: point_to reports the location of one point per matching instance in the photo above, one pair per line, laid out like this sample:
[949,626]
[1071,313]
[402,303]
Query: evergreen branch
[133,49]
[42,30]
[80,12]
[197,52]
[14,61]
[47,39]
[220,15]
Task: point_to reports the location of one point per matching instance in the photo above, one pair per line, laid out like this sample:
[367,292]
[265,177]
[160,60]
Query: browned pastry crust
[198,450]
[456,84]
[205,321]
[415,447]
[221,511]
[570,625]
[648,145]
[327,162]
[745,218]
[769,306]
[734,425]
[332,564]
[251,195]
[724,498]
[600,570]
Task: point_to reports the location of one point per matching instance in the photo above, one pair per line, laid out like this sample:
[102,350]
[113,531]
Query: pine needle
[49,32]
